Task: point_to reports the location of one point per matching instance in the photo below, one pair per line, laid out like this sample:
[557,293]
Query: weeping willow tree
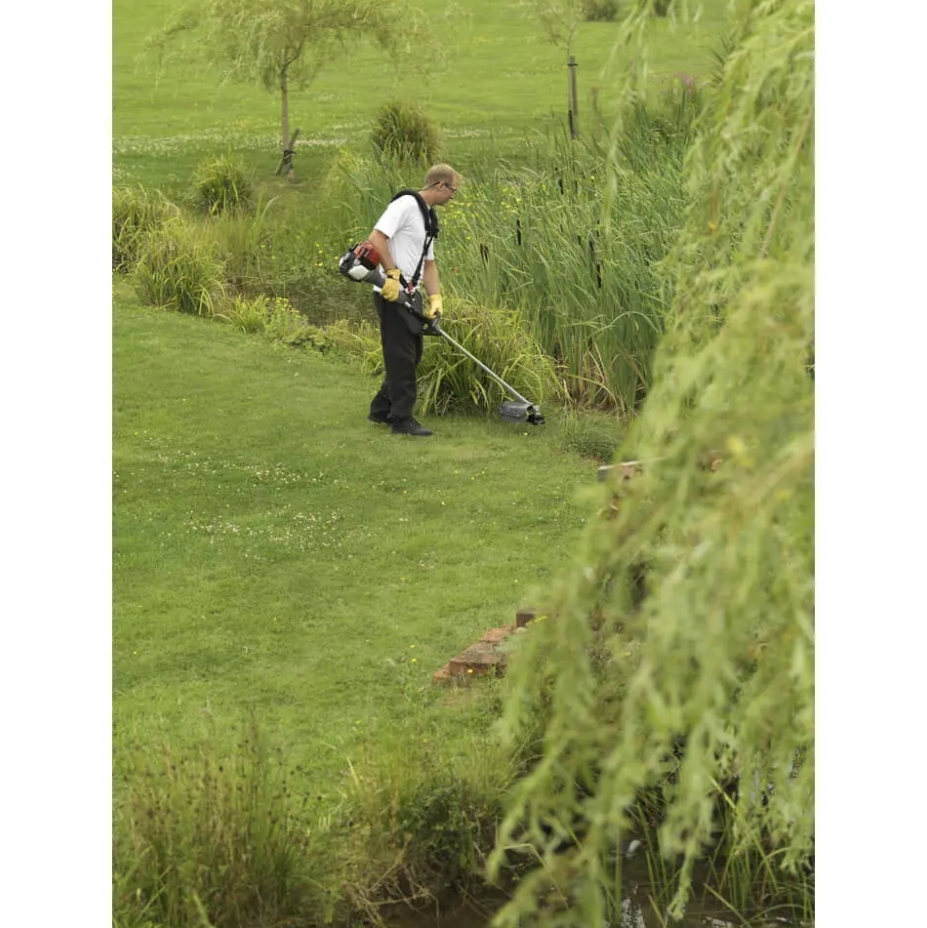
[281,45]
[677,661]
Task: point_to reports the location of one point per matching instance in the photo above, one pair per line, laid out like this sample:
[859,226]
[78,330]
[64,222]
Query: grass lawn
[499,78]
[272,549]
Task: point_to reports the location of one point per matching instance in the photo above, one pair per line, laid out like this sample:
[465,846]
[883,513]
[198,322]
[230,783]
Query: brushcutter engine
[361,264]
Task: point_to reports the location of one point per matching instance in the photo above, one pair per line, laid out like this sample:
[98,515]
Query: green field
[261,555]
[499,78]
[273,549]
[279,560]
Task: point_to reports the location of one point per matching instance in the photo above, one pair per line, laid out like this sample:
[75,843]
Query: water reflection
[636,912]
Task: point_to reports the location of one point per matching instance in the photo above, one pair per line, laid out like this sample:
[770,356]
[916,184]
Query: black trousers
[402,352]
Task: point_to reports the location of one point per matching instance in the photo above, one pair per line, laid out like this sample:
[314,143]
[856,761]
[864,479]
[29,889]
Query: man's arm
[381,243]
[430,278]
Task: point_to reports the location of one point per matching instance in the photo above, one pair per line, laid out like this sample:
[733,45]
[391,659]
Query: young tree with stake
[283,44]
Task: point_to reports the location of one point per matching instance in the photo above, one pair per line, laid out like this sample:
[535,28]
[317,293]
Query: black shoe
[409,427]
[379,418]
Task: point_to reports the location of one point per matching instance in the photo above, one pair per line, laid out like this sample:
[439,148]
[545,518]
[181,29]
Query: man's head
[441,184]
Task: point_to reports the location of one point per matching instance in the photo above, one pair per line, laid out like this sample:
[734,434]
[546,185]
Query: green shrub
[591,435]
[309,336]
[209,838]
[448,380]
[178,269]
[421,824]
[576,246]
[600,11]
[136,211]
[272,316]
[221,185]
[404,133]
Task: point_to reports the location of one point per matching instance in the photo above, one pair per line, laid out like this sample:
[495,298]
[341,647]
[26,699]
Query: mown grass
[500,77]
[274,549]
[275,554]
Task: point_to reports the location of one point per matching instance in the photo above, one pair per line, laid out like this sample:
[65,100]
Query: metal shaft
[477,361]
[377,278]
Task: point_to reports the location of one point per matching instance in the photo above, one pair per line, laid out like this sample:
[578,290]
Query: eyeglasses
[452,189]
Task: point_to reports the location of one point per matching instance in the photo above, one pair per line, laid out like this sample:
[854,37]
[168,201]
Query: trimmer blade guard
[516,411]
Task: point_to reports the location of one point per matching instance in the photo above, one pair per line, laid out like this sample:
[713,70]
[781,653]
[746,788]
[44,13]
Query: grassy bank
[276,556]
[569,233]
[276,553]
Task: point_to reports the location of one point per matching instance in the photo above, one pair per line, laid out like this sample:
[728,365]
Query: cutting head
[516,411]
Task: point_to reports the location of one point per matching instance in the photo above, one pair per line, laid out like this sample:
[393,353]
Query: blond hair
[442,172]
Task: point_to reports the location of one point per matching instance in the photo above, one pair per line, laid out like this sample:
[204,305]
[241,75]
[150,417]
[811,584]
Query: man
[404,238]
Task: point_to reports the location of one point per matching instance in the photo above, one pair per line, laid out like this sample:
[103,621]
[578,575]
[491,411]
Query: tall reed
[570,238]
[211,837]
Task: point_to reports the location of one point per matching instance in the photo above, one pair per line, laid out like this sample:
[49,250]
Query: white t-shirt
[403,224]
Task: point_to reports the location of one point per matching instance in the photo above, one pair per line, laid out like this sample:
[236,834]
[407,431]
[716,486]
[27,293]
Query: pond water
[637,912]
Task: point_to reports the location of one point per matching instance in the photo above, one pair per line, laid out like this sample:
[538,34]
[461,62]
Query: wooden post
[574,107]
[286,162]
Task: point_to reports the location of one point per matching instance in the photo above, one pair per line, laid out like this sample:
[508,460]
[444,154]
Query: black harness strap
[431,230]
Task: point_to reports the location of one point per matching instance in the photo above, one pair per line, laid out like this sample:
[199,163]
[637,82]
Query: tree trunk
[285,129]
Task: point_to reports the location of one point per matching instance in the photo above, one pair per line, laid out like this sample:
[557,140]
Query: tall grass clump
[448,381]
[273,317]
[222,185]
[585,275]
[402,132]
[178,269]
[136,212]
[600,11]
[422,824]
[591,434]
[211,837]
[250,246]
[657,130]
[678,658]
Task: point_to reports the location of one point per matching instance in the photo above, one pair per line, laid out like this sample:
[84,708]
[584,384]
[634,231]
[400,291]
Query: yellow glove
[434,306]
[390,289]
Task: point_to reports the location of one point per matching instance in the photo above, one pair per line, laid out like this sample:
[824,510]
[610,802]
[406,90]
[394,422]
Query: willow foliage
[678,658]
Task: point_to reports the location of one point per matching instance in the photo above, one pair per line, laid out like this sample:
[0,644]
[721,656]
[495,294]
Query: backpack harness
[431,231]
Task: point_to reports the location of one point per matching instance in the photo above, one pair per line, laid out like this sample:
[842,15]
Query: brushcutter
[361,264]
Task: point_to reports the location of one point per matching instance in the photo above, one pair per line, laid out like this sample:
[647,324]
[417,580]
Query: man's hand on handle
[391,287]
[435,306]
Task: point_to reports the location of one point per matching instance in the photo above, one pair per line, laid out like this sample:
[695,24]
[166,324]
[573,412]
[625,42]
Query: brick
[479,658]
[495,635]
[442,677]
